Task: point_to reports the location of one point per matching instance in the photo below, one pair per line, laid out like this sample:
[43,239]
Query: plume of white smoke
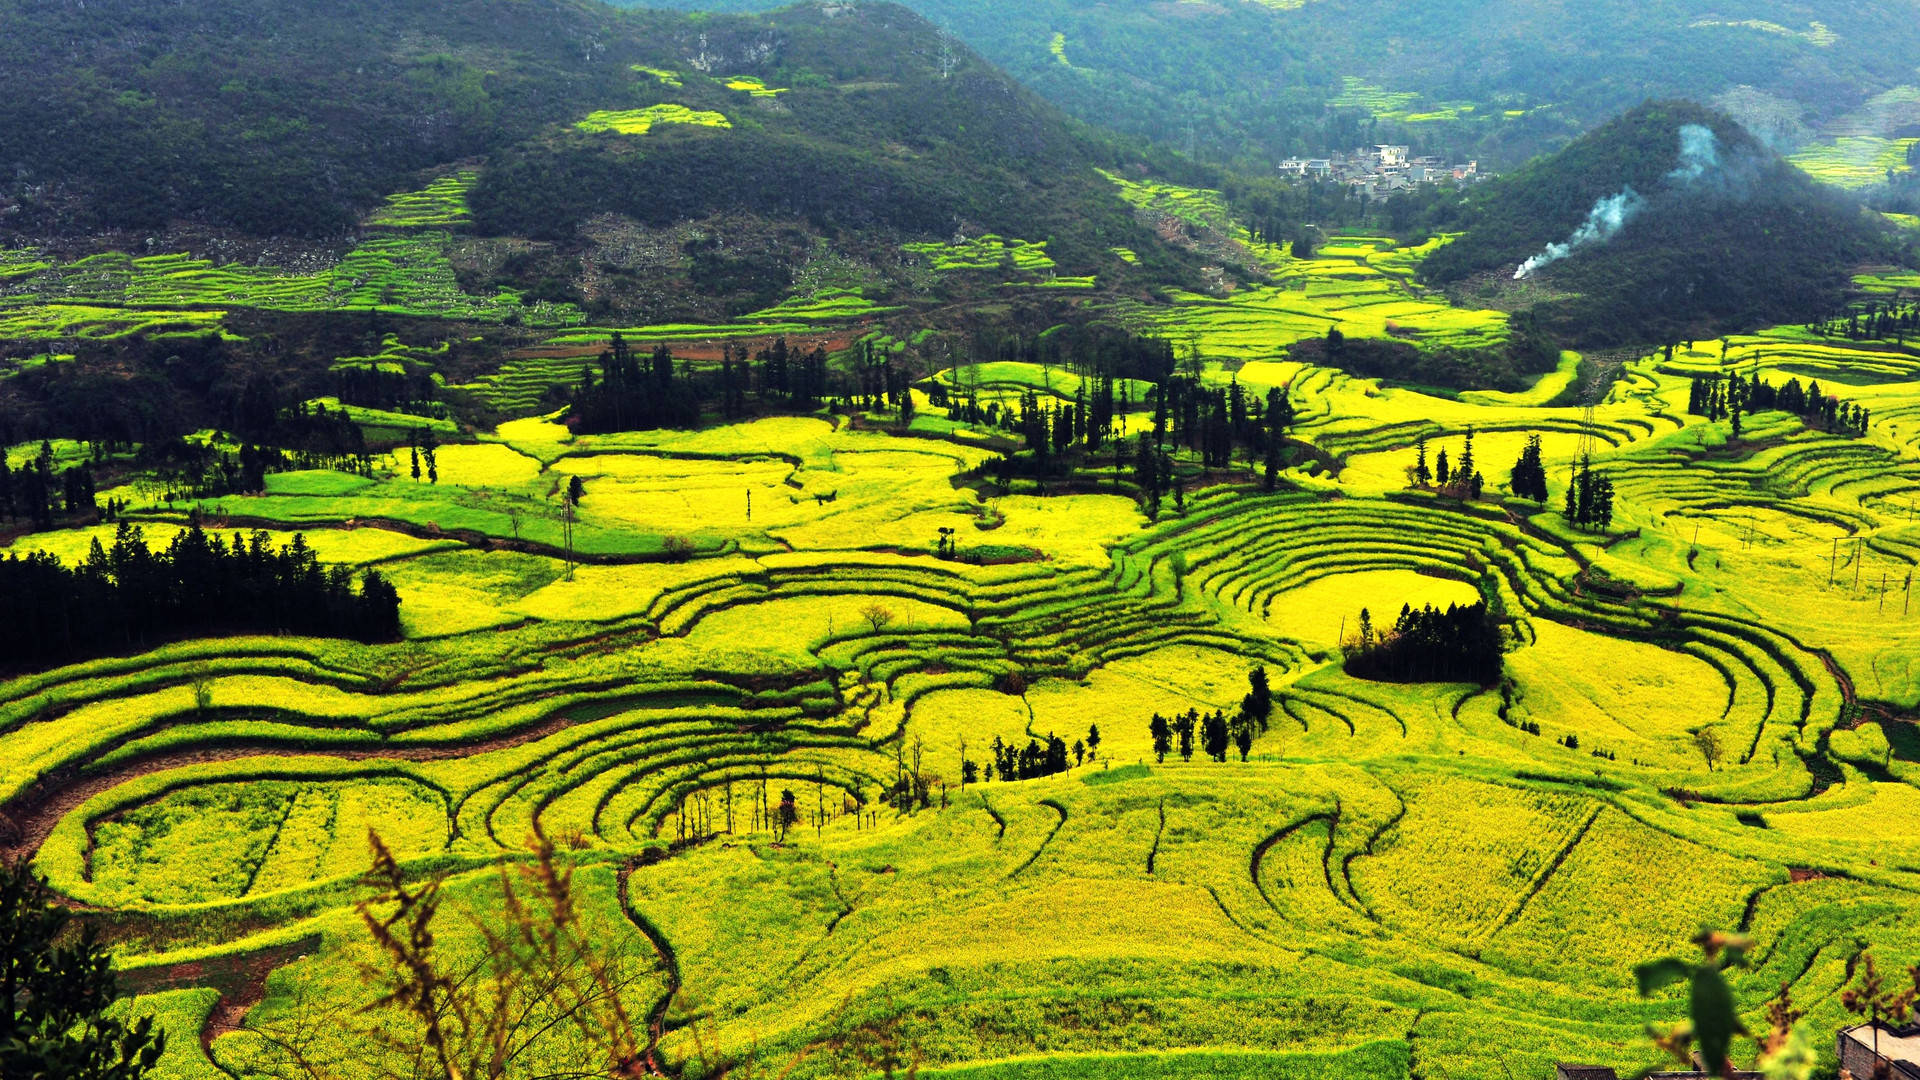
[1699,166]
[1607,218]
[1699,155]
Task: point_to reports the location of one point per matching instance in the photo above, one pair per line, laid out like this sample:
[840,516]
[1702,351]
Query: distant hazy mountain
[1500,78]
[1669,223]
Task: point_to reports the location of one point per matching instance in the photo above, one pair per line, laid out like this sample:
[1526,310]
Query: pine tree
[1162,737]
[1422,475]
[1258,704]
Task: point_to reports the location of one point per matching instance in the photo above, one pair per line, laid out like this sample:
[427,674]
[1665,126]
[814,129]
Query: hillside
[540,541]
[282,119]
[1668,223]
[1258,79]
[443,209]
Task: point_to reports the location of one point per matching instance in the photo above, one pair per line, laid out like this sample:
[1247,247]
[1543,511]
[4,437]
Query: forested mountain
[288,118]
[1504,79]
[1671,222]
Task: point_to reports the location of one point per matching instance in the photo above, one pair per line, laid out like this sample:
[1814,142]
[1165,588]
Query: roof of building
[1585,1072]
[1896,1044]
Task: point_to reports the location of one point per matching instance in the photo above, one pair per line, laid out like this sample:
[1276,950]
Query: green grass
[89,322]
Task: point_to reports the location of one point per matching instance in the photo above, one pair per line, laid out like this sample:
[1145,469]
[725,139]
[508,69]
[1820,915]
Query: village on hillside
[1381,171]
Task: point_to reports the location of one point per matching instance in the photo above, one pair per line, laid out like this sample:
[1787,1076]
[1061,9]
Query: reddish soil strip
[26,822]
[241,980]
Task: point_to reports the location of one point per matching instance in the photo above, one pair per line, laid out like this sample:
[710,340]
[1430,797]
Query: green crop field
[754,85]
[1356,284]
[440,204]
[987,252]
[1855,161]
[403,269]
[641,121]
[1403,879]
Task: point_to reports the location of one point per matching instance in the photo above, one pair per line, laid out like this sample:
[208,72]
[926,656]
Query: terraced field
[1402,880]
[1361,285]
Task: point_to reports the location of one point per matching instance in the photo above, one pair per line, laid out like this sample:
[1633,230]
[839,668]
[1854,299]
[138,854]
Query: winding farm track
[1329,818]
[1158,832]
[669,964]
[31,817]
[240,980]
[1051,833]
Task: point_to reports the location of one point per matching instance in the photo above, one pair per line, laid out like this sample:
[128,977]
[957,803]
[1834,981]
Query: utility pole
[1833,560]
[1883,592]
[1859,543]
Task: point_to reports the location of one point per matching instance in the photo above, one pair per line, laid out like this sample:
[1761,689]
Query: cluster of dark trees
[387,386]
[1732,398]
[1214,421]
[1008,762]
[192,469]
[1589,498]
[135,391]
[1091,352]
[302,437]
[782,377]
[1218,732]
[36,492]
[1225,419]
[1461,644]
[1107,362]
[1530,350]
[631,393]
[1871,322]
[129,596]
[1460,479]
[1530,473]
[422,449]
[1029,762]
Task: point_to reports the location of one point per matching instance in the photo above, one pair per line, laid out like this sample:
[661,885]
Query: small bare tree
[541,983]
[878,616]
